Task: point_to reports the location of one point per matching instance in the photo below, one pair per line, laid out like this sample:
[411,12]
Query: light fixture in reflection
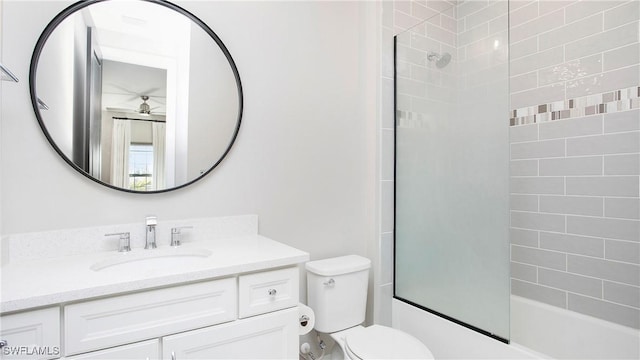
[496,44]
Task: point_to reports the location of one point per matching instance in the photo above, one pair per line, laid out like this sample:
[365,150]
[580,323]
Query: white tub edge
[552,332]
[448,340]
[565,334]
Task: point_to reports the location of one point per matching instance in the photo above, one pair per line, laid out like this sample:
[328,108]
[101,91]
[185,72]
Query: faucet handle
[125,241]
[175,234]
[151,220]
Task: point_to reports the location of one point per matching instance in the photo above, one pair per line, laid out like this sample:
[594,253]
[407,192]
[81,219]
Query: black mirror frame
[34,99]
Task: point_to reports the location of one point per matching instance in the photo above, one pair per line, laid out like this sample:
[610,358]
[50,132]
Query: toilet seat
[382,342]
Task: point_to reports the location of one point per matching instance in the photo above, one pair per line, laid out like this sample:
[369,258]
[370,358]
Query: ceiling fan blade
[116,109]
[149,92]
[124,89]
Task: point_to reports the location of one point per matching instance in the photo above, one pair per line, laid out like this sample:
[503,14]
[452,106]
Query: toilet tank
[337,291]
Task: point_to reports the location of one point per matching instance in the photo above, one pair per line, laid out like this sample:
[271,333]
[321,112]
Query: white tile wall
[572,244]
[583,169]
[575,214]
[572,47]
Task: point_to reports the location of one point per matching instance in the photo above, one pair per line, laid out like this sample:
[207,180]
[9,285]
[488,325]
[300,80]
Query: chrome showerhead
[441,60]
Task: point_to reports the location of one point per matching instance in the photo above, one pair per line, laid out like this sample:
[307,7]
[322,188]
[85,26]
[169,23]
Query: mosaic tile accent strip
[410,119]
[610,102]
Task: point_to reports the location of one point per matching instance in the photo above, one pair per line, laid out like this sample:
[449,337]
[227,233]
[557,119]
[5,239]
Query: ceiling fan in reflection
[144,108]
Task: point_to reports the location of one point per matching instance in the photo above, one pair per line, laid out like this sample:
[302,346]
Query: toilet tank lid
[338,265]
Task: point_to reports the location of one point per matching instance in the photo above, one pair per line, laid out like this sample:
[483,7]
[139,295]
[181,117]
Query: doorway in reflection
[133,126]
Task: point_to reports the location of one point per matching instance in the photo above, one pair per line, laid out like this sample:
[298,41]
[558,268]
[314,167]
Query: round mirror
[138,95]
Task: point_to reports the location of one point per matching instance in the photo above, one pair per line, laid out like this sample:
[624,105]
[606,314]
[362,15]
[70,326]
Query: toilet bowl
[377,342]
[337,293]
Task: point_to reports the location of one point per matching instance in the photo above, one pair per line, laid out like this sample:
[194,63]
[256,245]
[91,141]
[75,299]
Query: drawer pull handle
[272,292]
[173,355]
[330,282]
[3,343]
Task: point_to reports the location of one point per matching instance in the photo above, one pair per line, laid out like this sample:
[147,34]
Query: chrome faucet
[124,242]
[176,234]
[151,221]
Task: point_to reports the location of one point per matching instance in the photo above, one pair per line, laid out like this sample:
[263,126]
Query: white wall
[212,115]
[303,161]
[3,253]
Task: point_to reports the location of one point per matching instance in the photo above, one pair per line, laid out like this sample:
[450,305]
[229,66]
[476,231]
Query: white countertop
[52,281]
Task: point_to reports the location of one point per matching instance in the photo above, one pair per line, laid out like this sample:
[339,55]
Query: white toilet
[337,293]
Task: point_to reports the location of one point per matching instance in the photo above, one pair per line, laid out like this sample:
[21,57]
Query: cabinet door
[104,323]
[31,335]
[269,336]
[145,350]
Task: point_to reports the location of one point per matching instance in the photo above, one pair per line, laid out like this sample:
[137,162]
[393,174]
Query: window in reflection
[141,167]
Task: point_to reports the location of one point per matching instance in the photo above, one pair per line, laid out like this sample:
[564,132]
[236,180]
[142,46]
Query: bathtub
[538,331]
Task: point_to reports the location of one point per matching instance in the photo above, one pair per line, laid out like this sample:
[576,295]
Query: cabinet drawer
[269,336]
[31,335]
[144,350]
[103,323]
[263,292]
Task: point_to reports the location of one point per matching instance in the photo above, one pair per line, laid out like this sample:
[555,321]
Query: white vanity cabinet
[240,301]
[144,350]
[267,327]
[33,334]
[269,336]
[244,316]
[118,320]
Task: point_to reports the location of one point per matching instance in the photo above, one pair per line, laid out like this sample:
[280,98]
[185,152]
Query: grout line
[606,239]
[575,254]
[577,137]
[581,275]
[578,294]
[572,234]
[575,215]
[620,283]
[575,176]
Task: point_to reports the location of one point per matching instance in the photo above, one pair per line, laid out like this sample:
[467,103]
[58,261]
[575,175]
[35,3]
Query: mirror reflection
[137,95]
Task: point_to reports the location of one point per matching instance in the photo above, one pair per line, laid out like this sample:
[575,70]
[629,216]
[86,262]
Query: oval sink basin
[137,260]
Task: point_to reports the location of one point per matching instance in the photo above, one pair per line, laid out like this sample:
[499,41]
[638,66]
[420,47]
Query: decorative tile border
[610,102]
[410,119]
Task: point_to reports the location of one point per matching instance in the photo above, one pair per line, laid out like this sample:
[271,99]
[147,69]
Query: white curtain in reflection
[120,142]
[158,155]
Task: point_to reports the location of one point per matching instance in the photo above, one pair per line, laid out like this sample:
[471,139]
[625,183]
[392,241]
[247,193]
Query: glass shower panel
[452,170]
